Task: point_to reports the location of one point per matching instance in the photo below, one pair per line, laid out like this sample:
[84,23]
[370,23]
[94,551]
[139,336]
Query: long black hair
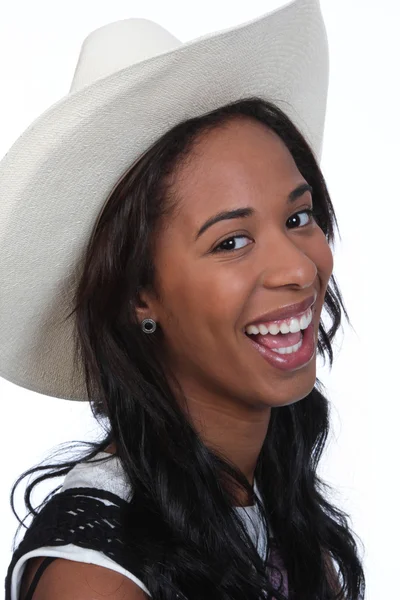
[191,538]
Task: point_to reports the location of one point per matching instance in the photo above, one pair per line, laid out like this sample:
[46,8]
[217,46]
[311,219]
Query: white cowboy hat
[133,82]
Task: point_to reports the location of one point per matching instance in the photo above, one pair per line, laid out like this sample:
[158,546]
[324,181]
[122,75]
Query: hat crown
[117,45]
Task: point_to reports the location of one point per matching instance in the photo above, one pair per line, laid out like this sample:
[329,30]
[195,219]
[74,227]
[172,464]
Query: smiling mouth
[286,342]
[278,341]
[271,330]
[289,352]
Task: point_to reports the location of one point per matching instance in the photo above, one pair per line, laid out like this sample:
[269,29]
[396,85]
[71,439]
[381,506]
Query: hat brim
[56,177]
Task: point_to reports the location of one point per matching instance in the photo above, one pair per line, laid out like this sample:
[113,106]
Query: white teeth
[290,349]
[293,326]
[303,322]
[284,328]
[253,329]
[274,328]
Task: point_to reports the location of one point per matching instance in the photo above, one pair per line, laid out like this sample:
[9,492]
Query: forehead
[241,163]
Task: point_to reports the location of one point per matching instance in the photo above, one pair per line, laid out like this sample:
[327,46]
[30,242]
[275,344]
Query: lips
[290,310]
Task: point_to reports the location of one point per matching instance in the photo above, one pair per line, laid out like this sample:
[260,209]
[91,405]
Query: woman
[198,320]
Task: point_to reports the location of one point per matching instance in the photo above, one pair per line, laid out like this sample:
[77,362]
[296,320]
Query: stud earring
[148,325]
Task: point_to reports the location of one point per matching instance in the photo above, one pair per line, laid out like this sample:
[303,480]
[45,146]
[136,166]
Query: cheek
[204,300]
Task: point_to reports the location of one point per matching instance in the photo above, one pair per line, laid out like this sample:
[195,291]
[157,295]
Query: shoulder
[83,526]
[65,579]
[103,471]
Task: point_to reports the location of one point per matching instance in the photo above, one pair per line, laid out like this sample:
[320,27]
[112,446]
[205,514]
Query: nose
[288,265]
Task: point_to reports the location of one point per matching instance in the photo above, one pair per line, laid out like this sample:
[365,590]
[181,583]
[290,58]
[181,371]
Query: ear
[146,307]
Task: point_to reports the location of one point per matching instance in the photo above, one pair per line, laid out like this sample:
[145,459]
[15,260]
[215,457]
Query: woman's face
[209,297]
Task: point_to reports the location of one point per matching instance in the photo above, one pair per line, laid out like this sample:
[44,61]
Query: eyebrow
[239,213]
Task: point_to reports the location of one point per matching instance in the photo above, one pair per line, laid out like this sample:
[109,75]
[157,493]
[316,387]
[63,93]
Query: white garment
[110,476]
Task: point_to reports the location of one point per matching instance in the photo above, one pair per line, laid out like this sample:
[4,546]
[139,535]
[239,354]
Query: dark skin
[207,299]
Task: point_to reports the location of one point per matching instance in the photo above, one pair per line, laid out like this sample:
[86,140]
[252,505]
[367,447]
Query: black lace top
[82,522]
[75,516]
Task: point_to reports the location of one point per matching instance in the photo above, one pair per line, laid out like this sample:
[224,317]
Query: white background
[39,46]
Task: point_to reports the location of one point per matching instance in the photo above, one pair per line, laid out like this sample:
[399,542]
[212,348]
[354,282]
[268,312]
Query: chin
[285,391]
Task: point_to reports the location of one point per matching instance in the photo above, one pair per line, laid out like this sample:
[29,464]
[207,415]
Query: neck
[237,435]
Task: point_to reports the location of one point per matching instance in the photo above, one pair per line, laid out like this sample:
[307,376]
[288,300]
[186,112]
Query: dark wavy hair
[176,478]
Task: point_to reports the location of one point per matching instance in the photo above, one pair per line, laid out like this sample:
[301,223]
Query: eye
[308,211]
[311,212]
[230,239]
